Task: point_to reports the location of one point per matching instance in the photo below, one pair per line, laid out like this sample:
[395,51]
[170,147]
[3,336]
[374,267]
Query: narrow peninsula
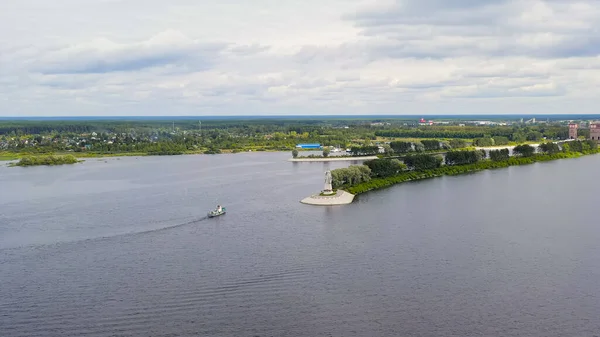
[381,173]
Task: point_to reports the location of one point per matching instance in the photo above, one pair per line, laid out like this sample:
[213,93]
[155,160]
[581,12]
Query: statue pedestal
[338,197]
[328,196]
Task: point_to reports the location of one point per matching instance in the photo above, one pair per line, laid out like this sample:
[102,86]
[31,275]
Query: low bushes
[46,160]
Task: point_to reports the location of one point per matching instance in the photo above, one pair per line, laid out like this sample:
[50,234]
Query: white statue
[328,180]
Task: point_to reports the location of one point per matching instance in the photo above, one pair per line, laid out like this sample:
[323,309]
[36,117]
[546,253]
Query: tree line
[385,167]
[499,133]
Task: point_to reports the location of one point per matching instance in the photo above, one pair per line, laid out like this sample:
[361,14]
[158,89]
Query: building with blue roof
[308,146]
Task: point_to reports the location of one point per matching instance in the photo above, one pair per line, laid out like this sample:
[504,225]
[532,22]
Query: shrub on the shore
[47,160]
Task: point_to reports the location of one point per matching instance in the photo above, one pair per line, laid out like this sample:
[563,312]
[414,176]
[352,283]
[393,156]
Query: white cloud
[105,56]
[190,57]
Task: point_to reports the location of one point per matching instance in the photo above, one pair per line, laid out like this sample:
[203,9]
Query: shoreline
[16,157]
[499,147]
[333,158]
[381,183]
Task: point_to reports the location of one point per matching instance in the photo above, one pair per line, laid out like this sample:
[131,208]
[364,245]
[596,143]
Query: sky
[302,57]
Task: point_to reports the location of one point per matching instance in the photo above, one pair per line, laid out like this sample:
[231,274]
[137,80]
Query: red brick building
[573,131]
[595,132]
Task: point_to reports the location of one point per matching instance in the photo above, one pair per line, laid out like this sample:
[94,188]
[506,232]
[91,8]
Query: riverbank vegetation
[46,160]
[381,173]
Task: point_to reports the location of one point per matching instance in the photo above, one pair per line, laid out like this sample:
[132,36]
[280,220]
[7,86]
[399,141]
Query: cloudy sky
[283,57]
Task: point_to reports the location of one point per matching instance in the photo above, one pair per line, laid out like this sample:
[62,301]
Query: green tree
[549,148]
[431,145]
[294,153]
[483,142]
[387,149]
[419,162]
[385,167]
[419,147]
[500,140]
[519,137]
[592,144]
[462,157]
[351,175]
[457,143]
[576,146]
[364,150]
[401,147]
[499,155]
[534,136]
[524,150]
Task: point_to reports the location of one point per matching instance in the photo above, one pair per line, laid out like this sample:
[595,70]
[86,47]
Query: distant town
[106,137]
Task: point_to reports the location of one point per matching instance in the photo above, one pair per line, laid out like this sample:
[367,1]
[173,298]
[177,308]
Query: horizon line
[287,116]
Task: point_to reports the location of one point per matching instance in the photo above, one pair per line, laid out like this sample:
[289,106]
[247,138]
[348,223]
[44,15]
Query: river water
[122,247]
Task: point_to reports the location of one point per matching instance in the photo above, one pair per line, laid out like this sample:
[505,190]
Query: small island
[48,160]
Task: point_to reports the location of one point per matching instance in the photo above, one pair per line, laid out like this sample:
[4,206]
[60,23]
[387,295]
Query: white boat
[219,211]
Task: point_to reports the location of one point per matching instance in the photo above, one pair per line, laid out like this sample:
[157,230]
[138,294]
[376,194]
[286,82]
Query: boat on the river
[216,212]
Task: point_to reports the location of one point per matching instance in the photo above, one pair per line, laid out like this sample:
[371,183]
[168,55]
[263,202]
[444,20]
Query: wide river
[122,247]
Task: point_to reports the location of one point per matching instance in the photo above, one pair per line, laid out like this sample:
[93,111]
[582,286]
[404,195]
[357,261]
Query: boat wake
[169,227]
[107,237]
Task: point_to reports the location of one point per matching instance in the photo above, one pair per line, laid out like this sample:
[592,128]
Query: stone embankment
[333,158]
[339,198]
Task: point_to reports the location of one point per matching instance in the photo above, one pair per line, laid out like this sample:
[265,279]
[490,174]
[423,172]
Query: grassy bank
[8,156]
[378,183]
[46,160]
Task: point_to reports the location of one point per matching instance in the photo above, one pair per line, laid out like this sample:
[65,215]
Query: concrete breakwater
[334,158]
